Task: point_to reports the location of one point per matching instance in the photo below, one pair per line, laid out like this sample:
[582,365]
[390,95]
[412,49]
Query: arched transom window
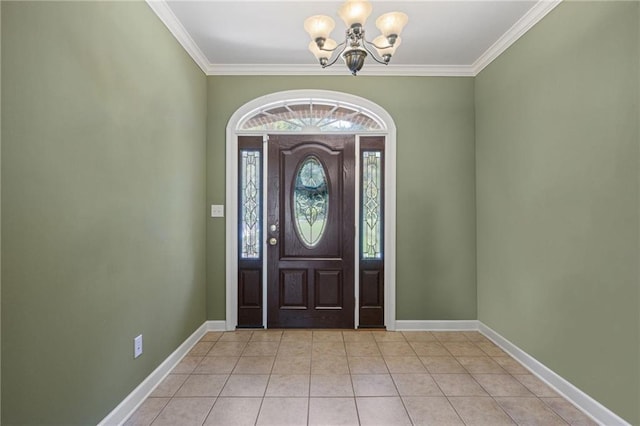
[311,116]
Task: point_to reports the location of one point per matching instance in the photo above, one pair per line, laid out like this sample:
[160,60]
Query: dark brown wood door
[310,231]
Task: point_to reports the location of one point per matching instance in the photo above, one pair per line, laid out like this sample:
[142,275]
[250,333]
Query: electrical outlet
[217,210]
[137,346]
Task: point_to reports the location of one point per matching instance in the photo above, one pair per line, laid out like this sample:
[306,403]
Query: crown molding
[317,70]
[169,19]
[524,24]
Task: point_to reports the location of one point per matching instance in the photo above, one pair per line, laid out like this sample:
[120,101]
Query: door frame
[231,199]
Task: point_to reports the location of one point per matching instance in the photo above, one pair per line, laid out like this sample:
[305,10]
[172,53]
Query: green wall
[436,265]
[557,198]
[103,201]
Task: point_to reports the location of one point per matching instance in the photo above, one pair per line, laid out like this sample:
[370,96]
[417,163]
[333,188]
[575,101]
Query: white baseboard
[429,325]
[598,412]
[131,403]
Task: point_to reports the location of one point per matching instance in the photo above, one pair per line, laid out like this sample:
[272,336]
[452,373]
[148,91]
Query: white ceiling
[261,37]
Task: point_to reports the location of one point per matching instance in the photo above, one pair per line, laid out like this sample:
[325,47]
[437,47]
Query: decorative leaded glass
[311,116]
[250,204]
[310,201]
[371,204]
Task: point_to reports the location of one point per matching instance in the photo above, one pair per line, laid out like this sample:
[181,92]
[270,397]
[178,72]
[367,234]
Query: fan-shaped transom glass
[311,116]
[310,201]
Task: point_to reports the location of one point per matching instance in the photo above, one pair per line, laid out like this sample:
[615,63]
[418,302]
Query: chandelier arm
[338,55]
[373,55]
[334,49]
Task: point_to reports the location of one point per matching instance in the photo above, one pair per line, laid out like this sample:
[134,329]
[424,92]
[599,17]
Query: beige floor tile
[429,349]
[245,385]
[254,365]
[202,385]
[332,411]
[292,365]
[367,365]
[501,385]
[568,412]
[187,365]
[404,364]
[297,336]
[396,349]
[184,412]
[328,349]
[236,336]
[442,365]
[510,365]
[450,336]
[536,386]
[294,348]
[458,385]
[266,336]
[234,412]
[480,365]
[201,349]
[529,411]
[227,349]
[147,412]
[357,336]
[283,411]
[329,365]
[291,385]
[463,349]
[419,336]
[480,411]
[373,385]
[436,411]
[475,336]
[388,336]
[216,365]
[334,385]
[327,336]
[212,336]
[491,349]
[416,385]
[169,386]
[261,349]
[362,349]
[388,411]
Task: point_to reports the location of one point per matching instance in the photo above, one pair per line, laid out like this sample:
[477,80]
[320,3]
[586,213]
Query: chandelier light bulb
[319,26]
[325,52]
[391,24]
[384,49]
[355,12]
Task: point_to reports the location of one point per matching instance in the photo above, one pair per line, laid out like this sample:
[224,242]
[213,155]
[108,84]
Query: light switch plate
[137,346]
[217,210]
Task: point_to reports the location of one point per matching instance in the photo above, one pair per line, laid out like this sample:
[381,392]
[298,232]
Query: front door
[310,231]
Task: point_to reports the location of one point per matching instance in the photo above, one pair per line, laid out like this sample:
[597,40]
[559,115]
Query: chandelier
[355,48]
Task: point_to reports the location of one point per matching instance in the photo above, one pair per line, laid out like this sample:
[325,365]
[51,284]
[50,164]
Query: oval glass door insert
[310,201]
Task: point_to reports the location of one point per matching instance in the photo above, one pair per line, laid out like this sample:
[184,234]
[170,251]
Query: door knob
[273,241]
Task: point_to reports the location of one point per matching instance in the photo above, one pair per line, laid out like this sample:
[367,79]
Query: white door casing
[233,131]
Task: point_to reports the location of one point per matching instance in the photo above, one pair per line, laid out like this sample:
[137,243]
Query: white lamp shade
[319,26]
[355,12]
[381,41]
[392,23]
[329,44]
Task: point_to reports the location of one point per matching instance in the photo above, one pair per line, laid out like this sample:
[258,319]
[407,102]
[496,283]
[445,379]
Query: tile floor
[333,377]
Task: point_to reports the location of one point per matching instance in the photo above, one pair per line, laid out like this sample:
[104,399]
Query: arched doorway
[309,114]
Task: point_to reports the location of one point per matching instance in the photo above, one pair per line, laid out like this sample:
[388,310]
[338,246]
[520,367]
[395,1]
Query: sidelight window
[250,195]
[371,205]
